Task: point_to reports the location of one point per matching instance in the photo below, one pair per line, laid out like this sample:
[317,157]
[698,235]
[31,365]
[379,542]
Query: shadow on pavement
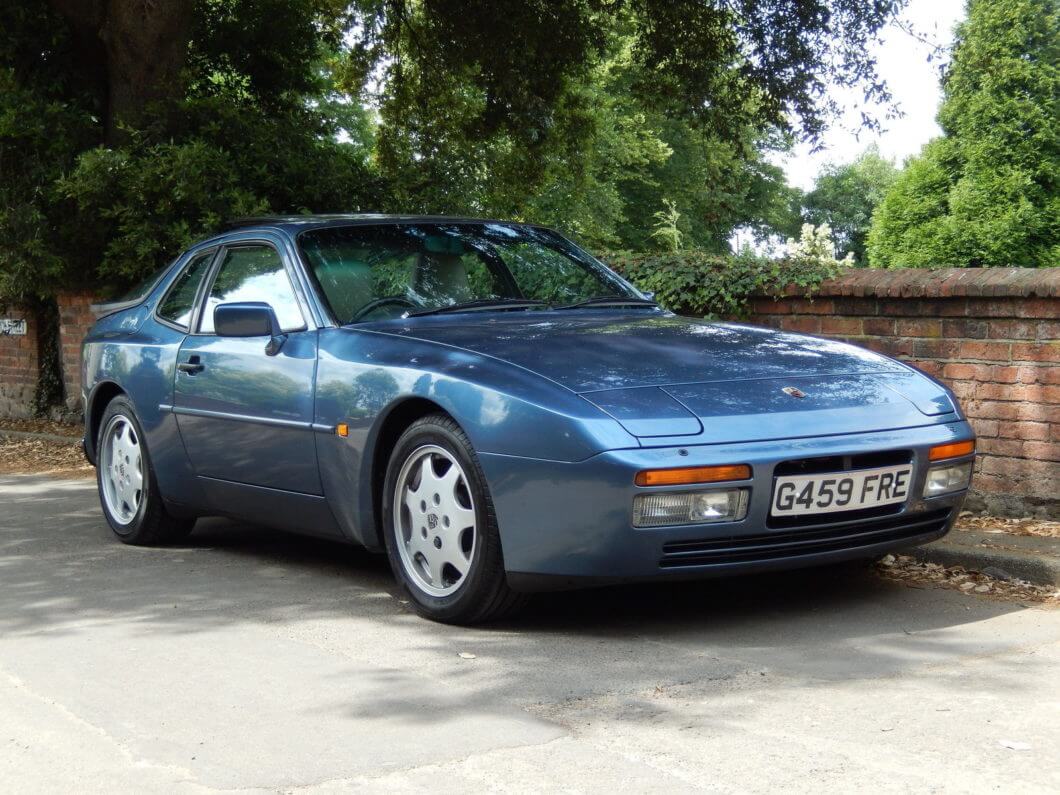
[61,572]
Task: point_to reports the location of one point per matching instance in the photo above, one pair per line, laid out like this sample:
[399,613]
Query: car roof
[300,223]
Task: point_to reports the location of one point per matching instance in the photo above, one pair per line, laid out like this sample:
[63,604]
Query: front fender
[364,376]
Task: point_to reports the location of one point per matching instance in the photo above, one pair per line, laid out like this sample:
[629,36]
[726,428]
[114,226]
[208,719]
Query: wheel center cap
[432,520]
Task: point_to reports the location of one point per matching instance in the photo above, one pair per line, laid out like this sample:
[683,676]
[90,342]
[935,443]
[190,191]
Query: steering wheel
[371,306]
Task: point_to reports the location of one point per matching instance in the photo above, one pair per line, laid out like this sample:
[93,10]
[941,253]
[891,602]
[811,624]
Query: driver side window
[253,273]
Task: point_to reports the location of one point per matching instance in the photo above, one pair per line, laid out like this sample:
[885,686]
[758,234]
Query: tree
[205,108]
[599,169]
[563,110]
[130,54]
[109,167]
[723,63]
[987,192]
[845,196]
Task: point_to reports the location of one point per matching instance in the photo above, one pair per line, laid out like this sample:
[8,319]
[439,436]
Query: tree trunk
[144,43]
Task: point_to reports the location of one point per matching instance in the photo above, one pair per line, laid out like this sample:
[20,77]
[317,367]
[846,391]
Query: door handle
[192,366]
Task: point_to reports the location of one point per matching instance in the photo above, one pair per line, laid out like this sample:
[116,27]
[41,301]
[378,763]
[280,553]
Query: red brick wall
[992,335]
[18,366]
[75,319]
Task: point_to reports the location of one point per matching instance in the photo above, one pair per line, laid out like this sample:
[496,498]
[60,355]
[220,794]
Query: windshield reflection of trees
[434,265]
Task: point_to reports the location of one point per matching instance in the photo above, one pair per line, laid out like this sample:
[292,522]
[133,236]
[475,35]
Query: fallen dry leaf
[916,575]
[43,456]
[997,525]
[73,430]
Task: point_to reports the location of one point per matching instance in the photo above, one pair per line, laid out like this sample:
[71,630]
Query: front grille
[843,463]
[778,546]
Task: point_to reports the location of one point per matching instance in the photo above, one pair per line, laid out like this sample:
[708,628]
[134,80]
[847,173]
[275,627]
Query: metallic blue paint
[562,407]
[593,349]
[246,416]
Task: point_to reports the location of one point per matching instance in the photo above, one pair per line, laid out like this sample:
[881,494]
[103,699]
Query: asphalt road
[248,659]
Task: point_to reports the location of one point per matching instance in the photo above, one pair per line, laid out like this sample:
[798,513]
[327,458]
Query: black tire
[484,594]
[151,525]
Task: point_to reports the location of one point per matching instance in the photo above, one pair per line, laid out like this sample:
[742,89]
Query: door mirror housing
[249,319]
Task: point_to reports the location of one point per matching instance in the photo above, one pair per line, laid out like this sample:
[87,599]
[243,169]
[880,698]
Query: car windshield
[390,270]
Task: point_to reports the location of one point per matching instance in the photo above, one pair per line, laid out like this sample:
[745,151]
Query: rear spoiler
[111,307]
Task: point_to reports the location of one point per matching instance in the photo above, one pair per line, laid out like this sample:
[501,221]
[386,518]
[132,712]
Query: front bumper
[570,524]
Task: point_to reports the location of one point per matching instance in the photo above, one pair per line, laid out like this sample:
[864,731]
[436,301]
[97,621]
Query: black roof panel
[311,221]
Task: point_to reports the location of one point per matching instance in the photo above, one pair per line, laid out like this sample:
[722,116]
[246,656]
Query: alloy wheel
[435,516]
[122,470]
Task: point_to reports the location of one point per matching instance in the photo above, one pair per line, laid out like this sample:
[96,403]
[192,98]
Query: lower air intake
[780,545]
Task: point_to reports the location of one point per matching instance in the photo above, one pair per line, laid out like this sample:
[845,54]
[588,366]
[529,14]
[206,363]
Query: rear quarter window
[179,300]
[140,290]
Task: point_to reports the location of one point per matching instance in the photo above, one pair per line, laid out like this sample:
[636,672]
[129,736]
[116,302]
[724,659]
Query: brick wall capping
[941,283]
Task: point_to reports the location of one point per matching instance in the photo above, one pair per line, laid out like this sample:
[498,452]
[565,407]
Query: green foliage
[815,247]
[606,166]
[666,230]
[705,284]
[988,193]
[845,196]
[724,64]
[126,131]
[37,140]
[49,390]
[239,136]
[152,197]
[263,51]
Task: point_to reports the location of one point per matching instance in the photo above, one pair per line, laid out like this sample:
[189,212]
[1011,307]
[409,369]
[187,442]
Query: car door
[245,414]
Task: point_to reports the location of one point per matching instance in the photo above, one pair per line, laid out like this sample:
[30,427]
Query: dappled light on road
[303,651]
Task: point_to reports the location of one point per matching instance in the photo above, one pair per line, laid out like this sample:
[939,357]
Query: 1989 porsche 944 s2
[500,413]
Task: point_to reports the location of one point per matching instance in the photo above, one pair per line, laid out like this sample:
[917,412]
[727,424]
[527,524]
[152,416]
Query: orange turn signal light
[951,450]
[342,429]
[682,476]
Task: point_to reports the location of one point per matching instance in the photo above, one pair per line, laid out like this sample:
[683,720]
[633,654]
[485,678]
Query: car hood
[597,349]
[665,376]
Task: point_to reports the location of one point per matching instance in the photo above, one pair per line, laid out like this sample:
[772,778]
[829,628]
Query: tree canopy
[987,192]
[845,196]
[128,128]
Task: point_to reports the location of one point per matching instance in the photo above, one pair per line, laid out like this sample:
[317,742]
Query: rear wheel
[128,493]
[440,528]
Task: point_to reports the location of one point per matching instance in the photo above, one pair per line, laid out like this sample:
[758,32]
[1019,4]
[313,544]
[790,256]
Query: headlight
[690,507]
[947,478]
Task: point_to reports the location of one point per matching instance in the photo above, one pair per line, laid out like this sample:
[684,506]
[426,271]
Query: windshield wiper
[609,300]
[481,305]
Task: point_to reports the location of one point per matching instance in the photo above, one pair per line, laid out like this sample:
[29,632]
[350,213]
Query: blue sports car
[500,413]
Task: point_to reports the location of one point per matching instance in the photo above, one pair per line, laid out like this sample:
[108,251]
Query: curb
[1034,559]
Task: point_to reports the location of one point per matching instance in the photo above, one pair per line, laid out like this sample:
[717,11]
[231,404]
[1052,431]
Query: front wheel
[440,528]
[128,493]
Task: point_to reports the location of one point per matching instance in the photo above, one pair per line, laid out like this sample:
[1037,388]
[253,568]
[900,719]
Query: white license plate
[841,491]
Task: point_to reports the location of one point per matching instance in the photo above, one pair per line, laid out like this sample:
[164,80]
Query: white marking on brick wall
[12,328]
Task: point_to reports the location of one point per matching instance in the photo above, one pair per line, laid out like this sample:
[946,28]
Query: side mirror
[249,319]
